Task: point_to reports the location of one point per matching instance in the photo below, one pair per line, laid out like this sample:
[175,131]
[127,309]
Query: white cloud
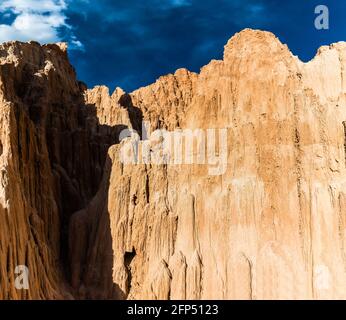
[39,20]
[76,44]
[38,6]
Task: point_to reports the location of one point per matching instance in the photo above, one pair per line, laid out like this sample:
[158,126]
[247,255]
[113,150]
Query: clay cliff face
[264,219]
[53,150]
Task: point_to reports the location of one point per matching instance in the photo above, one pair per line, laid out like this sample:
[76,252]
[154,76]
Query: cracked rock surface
[271,225]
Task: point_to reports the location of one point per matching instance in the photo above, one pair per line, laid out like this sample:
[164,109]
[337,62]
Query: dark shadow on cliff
[61,147]
[135,114]
[78,144]
[86,241]
[90,247]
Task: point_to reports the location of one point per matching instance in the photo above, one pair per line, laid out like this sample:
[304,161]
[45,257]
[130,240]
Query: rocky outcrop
[271,225]
[53,150]
[260,215]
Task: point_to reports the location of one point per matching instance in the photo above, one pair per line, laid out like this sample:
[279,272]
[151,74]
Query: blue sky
[131,43]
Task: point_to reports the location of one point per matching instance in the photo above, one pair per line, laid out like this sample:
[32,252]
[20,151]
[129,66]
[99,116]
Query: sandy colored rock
[267,224]
[53,151]
[272,225]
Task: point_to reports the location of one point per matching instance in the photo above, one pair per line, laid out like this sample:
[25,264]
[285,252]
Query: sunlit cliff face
[86,224]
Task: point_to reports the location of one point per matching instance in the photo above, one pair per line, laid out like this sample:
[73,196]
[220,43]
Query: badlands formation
[270,225]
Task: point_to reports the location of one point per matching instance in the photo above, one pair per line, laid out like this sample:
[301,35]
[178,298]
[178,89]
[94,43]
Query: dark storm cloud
[131,43]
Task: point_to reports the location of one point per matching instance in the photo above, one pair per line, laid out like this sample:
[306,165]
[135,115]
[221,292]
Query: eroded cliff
[53,152]
[260,216]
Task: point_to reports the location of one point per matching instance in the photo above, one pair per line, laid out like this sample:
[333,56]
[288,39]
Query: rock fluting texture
[271,224]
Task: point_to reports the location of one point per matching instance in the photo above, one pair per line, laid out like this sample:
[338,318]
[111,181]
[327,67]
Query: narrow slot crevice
[128,257]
